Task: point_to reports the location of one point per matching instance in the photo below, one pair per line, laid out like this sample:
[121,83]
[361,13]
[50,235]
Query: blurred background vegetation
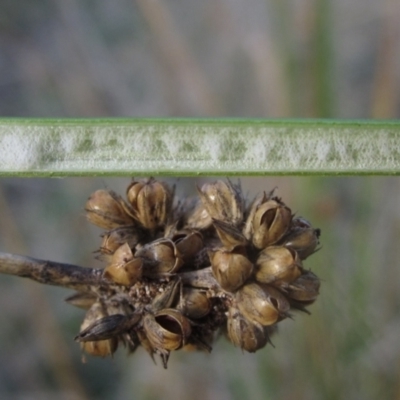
[211,58]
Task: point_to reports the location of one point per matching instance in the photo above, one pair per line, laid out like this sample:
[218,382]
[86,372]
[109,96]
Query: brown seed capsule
[201,279]
[115,238]
[305,288]
[248,226]
[160,257]
[302,238]
[188,243]
[249,336]
[107,210]
[169,297]
[230,236]
[270,222]
[167,330]
[223,201]
[194,303]
[231,270]
[278,265]
[262,304]
[151,202]
[124,269]
[198,218]
[101,348]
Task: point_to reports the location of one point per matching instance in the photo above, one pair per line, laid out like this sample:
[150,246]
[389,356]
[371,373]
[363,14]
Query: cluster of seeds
[181,272]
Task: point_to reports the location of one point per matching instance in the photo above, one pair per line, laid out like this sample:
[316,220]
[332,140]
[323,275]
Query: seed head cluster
[182,272]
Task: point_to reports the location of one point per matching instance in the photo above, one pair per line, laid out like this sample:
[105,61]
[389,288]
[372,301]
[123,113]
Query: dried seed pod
[168,297]
[240,275]
[249,336]
[194,303]
[231,270]
[107,210]
[201,279]
[248,226]
[151,201]
[188,243]
[83,300]
[124,269]
[223,201]
[230,236]
[278,265]
[198,217]
[115,238]
[262,304]
[160,257]
[167,330]
[302,238]
[101,348]
[305,288]
[270,222]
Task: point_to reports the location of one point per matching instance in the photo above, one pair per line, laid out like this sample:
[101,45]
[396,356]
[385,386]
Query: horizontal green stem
[188,147]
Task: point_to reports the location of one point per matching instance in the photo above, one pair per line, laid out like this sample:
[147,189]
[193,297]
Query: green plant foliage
[188,147]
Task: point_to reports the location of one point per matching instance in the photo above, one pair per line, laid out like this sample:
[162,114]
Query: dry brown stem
[52,273]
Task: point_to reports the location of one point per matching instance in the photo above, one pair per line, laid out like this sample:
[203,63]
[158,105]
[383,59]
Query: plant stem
[188,147]
[52,273]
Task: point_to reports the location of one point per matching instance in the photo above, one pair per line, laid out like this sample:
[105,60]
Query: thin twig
[52,273]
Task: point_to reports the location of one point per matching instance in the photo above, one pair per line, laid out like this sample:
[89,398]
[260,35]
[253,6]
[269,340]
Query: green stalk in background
[323,60]
[188,147]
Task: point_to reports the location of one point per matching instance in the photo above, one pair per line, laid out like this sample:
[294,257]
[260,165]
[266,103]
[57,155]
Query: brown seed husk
[271,221]
[262,304]
[278,265]
[151,202]
[249,336]
[230,269]
[223,201]
[107,210]
[124,269]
